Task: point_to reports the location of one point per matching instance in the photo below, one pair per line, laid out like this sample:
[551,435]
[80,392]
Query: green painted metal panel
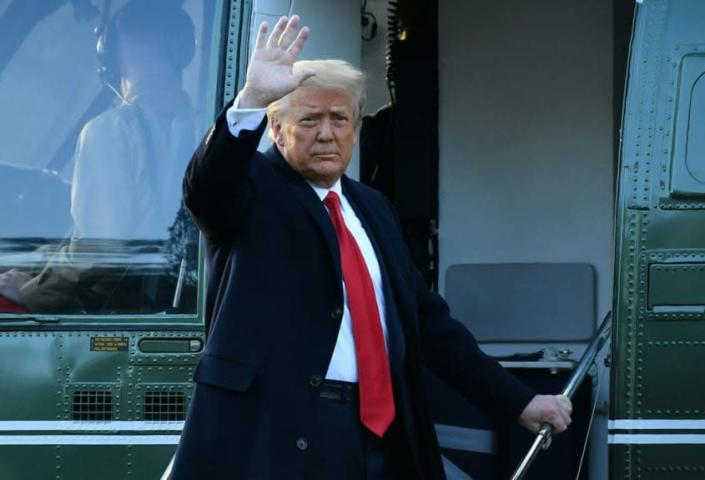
[86,462]
[659,462]
[674,285]
[666,384]
[161,345]
[28,362]
[658,341]
[29,462]
[66,391]
[141,461]
[688,170]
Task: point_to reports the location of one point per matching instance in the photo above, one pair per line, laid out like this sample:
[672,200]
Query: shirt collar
[322,192]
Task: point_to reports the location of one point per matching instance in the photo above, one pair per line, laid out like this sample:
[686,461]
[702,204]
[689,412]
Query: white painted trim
[656,424]
[89,439]
[89,426]
[656,439]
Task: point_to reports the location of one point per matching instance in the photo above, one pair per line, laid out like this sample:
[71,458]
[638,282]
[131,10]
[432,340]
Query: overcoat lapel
[385,256]
[378,229]
[310,201]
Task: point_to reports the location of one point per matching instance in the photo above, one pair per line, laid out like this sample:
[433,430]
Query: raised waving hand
[270,75]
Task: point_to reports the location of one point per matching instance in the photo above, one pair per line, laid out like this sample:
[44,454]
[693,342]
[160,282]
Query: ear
[277,132]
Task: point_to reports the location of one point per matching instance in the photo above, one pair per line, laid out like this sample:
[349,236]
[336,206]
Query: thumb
[302,75]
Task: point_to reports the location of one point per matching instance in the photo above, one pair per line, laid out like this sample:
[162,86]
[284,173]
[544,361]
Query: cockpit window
[102,104]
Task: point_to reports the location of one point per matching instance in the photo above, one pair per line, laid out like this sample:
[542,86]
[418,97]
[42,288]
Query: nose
[325,132]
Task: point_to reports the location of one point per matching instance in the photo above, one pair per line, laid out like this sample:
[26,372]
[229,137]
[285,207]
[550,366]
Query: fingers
[547,409]
[565,403]
[289,34]
[558,422]
[261,35]
[559,413]
[565,408]
[277,32]
[298,43]
[284,35]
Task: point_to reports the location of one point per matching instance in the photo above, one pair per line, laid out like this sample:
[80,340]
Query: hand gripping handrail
[603,334]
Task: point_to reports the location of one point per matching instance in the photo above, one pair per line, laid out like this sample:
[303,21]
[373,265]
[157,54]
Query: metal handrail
[603,333]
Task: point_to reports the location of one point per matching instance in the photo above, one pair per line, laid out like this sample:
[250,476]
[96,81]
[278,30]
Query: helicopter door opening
[519,236]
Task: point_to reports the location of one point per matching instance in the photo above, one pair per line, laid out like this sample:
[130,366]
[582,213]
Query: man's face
[317,134]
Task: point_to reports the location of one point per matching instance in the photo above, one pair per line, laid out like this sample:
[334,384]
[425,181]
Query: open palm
[270,75]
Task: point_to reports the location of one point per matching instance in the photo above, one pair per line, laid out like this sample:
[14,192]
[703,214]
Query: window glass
[102,105]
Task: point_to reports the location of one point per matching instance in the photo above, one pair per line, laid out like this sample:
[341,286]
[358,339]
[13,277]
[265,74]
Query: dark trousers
[351,448]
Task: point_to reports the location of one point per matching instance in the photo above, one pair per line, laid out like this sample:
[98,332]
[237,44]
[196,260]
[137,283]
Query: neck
[324,184]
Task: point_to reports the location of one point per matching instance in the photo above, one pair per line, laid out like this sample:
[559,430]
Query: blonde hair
[330,74]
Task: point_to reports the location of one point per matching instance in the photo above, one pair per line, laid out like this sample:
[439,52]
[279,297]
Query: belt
[339,391]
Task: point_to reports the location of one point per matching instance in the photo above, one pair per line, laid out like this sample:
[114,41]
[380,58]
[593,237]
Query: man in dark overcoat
[319,326]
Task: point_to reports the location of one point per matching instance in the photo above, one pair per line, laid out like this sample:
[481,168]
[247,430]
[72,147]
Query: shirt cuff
[240,119]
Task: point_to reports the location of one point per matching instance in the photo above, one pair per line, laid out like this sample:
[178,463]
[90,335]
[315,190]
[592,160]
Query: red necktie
[375,381]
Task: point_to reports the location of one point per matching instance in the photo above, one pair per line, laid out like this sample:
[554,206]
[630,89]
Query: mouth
[326,156]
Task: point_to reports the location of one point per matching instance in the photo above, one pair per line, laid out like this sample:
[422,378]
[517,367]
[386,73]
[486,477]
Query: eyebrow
[313,110]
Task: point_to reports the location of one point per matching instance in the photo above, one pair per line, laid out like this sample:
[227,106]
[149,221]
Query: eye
[307,121]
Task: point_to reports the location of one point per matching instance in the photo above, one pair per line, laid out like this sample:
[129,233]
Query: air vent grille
[92,405]
[164,406]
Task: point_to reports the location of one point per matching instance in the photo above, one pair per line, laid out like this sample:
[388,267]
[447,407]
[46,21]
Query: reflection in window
[98,123]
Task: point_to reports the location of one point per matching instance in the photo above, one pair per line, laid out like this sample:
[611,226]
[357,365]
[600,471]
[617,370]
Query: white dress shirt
[343,363]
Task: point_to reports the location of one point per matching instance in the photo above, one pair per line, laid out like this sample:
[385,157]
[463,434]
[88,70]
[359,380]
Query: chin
[325,179]
[329,170]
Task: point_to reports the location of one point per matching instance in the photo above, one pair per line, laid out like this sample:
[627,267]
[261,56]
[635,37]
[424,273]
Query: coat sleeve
[452,353]
[218,186]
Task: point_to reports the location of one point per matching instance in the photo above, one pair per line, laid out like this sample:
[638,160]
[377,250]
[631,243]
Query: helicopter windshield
[102,105]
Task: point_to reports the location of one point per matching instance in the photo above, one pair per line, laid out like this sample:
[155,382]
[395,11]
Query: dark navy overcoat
[274,308]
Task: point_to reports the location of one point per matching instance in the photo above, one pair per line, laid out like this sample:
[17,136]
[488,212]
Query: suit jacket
[275,304]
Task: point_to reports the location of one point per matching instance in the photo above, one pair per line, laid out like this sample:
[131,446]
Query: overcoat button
[302,443]
[315,381]
[337,313]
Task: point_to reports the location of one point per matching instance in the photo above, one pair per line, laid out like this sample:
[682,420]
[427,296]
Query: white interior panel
[526,160]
